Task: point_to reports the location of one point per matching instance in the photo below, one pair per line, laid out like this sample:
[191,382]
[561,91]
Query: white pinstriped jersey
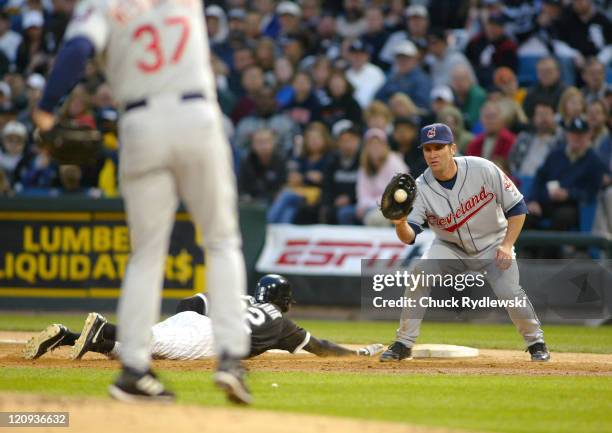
[471,214]
[148,46]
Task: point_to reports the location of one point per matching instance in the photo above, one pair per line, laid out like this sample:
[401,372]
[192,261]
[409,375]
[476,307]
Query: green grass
[561,338]
[490,403]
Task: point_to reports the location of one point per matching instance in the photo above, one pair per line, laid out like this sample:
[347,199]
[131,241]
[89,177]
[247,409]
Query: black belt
[143,102]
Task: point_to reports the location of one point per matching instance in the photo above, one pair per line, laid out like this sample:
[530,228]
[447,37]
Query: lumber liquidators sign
[85,254]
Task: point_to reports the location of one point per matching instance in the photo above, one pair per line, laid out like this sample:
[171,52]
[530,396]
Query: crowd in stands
[323,101]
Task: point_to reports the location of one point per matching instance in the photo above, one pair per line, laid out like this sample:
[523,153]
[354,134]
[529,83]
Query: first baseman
[476,213]
[173,148]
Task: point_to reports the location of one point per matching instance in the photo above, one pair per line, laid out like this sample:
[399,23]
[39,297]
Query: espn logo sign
[303,252]
[333,250]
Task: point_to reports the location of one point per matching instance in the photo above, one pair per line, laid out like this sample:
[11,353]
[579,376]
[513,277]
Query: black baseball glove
[69,143]
[390,207]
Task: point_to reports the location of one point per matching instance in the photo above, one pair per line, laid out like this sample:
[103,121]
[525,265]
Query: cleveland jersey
[148,47]
[267,326]
[471,215]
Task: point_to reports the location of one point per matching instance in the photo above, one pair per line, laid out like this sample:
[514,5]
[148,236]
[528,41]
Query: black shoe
[131,387]
[47,340]
[230,378]
[396,352]
[90,335]
[539,352]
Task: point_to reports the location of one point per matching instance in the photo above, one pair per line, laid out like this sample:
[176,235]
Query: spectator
[33,52]
[218,30]
[289,18]
[597,115]
[265,56]
[9,39]
[549,87]
[442,59]
[327,41]
[304,179]
[304,107]
[469,96]
[491,49]
[78,107]
[263,171]
[242,58]
[402,106]
[584,28]
[5,185]
[441,97]
[496,141]
[571,105]
[14,140]
[378,116]
[405,141]
[266,116]
[252,81]
[269,24]
[512,113]
[407,77]
[70,179]
[532,147]
[341,104]
[571,175]
[505,80]
[34,88]
[365,77]
[321,71]
[417,27]
[594,77]
[339,194]
[283,75]
[375,35]
[544,28]
[452,117]
[253,24]
[36,174]
[377,166]
[351,23]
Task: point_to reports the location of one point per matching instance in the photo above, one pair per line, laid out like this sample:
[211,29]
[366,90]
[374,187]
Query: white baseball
[400,196]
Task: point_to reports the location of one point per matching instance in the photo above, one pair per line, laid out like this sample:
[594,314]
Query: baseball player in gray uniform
[476,213]
[173,147]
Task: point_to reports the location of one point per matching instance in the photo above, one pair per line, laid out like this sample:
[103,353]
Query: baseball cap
[417,11]
[406,120]
[214,11]
[437,133]
[578,125]
[5,89]
[36,81]
[345,125]
[236,14]
[375,133]
[405,48]
[358,46]
[32,19]
[500,19]
[288,8]
[15,128]
[442,92]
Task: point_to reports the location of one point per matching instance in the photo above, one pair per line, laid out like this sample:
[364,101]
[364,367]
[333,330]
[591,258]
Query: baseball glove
[69,143]
[390,207]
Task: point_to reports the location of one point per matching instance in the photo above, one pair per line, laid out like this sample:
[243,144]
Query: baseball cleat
[90,335]
[539,352]
[396,352]
[47,340]
[133,387]
[230,379]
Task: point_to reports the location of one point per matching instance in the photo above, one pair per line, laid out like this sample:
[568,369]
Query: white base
[443,351]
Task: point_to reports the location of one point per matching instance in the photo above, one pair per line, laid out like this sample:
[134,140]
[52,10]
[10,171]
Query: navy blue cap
[437,133]
[578,125]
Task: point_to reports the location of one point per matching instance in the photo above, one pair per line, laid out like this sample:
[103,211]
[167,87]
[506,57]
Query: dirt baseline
[492,362]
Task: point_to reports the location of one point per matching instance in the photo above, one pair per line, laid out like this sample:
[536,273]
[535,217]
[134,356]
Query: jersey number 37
[151,37]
